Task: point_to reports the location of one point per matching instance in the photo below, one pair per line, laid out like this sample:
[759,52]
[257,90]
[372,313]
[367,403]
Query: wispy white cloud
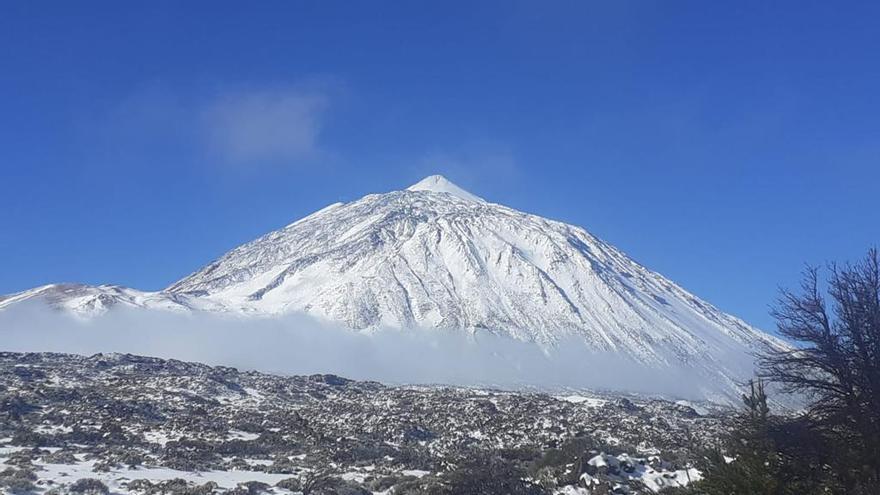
[277,125]
[240,126]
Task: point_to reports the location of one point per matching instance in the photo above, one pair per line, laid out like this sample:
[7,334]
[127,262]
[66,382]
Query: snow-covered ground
[610,470]
[137,424]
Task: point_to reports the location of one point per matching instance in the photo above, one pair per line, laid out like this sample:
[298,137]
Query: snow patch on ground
[68,473]
[586,401]
[652,472]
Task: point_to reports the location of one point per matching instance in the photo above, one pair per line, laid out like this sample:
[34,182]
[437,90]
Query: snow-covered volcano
[436,256]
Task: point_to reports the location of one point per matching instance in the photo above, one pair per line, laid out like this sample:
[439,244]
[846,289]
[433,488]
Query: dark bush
[141,486]
[283,465]
[176,486]
[490,475]
[29,438]
[383,483]
[24,458]
[14,407]
[342,487]
[250,488]
[245,448]
[190,455]
[59,457]
[89,486]
[18,486]
[427,485]
[19,474]
[292,484]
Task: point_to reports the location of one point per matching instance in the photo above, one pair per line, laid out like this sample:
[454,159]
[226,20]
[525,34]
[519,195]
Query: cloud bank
[299,344]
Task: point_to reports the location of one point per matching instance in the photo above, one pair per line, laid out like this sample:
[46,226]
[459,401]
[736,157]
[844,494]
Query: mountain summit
[440,184]
[436,256]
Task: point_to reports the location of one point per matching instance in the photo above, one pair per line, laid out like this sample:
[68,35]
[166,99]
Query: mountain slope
[436,256]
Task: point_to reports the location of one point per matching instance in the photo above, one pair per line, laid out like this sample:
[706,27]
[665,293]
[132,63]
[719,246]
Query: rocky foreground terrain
[131,424]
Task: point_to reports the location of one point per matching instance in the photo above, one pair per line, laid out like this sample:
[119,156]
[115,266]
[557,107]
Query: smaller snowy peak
[93,300]
[440,184]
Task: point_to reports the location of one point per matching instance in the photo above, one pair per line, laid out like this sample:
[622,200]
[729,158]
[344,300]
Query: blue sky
[721,145]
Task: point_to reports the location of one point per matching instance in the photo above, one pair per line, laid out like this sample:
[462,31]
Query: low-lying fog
[299,344]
